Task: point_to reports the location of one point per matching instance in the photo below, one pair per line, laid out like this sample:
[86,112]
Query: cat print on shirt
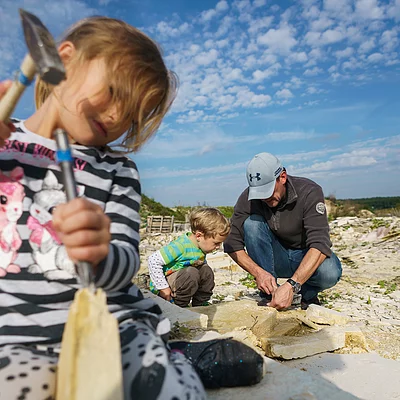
[49,255]
[12,194]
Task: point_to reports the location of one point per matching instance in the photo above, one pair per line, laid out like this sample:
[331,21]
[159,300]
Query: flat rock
[227,316]
[177,314]
[322,315]
[291,347]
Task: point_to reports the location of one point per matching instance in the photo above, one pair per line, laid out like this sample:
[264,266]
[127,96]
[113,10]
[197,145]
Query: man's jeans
[264,248]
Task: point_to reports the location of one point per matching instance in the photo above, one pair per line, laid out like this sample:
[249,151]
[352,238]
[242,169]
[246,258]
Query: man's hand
[265,281]
[84,229]
[5,129]
[166,294]
[282,297]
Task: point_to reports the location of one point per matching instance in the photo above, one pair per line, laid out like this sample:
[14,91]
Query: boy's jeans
[264,248]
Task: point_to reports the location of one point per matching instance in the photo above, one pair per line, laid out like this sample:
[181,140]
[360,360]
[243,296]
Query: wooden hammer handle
[10,99]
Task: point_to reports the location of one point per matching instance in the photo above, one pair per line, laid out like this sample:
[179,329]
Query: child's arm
[108,239]
[155,265]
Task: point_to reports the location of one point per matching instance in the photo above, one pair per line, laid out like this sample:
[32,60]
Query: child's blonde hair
[209,221]
[143,87]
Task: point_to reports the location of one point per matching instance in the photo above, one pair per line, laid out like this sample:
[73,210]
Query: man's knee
[329,272]
[255,228]
[253,223]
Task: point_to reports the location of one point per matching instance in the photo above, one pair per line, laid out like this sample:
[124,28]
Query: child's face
[85,109]
[210,244]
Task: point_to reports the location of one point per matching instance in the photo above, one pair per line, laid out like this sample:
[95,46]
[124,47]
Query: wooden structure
[160,224]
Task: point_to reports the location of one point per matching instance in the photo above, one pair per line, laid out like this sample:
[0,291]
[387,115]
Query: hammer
[42,58]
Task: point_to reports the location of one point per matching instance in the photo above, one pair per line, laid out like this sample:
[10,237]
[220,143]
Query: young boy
[179,271]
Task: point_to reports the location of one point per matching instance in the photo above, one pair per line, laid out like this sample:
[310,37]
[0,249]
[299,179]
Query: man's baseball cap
[261,174]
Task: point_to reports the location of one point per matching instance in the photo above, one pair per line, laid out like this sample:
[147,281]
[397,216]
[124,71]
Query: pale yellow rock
[90,359]
[325,316]
[286,327]
[356,339]
[291,347]
[308,322]
[227,316]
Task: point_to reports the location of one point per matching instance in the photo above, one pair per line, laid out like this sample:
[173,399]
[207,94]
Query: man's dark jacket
[299,221]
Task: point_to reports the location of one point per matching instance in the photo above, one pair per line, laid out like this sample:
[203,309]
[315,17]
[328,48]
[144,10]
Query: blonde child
[179,271]
[117,87]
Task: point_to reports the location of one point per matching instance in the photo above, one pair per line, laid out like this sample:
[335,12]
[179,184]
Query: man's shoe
[306,303]
[223,362]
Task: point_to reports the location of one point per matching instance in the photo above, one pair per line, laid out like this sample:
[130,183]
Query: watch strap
[295,285]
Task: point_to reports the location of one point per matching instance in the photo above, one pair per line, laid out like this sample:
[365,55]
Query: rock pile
[367,297]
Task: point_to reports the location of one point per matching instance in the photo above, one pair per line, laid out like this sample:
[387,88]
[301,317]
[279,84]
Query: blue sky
[315,82]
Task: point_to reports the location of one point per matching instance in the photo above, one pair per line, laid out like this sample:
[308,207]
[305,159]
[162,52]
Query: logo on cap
[278,171]
[251,177]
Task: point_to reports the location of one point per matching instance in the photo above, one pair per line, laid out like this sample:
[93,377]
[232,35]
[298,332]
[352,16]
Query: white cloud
[165,29]
[279,40]
[261,75]
[313,71]
[367,46]
[298,57]
[260,24]
[224,26]
[332,36]
[368,9]
[321,24]
[284,94]
[394,9]
[375,58]
[206,57]
[222,6]
[389,40]
[259,3]
[314,90]
[288,136]
[208,15]
[347,52]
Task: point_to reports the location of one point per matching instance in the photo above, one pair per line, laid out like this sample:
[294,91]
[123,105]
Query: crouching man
[280,229]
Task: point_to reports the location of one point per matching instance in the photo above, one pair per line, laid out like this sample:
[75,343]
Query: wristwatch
[295,285]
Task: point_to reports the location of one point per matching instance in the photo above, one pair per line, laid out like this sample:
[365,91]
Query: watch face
[295,285]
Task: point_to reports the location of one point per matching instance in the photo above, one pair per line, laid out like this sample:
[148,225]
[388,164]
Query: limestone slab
[322,315]
[292,347]
[177,314]
[227,316]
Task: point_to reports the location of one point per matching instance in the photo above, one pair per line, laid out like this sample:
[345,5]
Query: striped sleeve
[122,263]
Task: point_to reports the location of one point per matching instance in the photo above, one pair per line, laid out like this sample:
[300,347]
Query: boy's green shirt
[180,253]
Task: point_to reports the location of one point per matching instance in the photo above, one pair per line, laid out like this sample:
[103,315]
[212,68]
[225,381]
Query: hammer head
[42,49]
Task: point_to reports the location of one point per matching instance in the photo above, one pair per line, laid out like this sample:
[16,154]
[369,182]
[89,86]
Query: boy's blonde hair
[209,221]
[143,87]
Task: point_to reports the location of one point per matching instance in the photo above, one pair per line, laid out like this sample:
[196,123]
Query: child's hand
[5,129]
[166,294]
[84,229]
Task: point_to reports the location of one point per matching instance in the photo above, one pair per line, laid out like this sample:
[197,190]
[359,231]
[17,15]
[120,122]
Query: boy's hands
[5,129]
[84,229]
[166,294]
